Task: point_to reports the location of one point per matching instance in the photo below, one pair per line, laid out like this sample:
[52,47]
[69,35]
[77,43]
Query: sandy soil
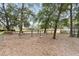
[25,45]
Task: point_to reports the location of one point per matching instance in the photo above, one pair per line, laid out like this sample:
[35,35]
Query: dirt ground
[25,45]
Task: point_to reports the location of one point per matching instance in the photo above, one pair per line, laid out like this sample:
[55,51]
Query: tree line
[50,16]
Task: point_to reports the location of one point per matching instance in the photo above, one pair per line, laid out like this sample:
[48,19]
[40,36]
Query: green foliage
[64,22]
[45,16]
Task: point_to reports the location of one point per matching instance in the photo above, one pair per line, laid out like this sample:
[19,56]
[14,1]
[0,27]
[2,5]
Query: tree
[21,20]
[45,16]
[56,21]
[77,20]
[71,22]
[61,8]
[24,14]
[6,18]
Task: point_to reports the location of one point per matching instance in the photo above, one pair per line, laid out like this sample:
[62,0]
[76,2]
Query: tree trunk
[71,22]
[56,22]
[45,30]
[78,30]
[21,21]
[78,33]
[8,28]
[46,24]
[21,28]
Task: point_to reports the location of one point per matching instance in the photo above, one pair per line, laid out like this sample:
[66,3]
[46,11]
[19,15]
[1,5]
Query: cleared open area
[33,46]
